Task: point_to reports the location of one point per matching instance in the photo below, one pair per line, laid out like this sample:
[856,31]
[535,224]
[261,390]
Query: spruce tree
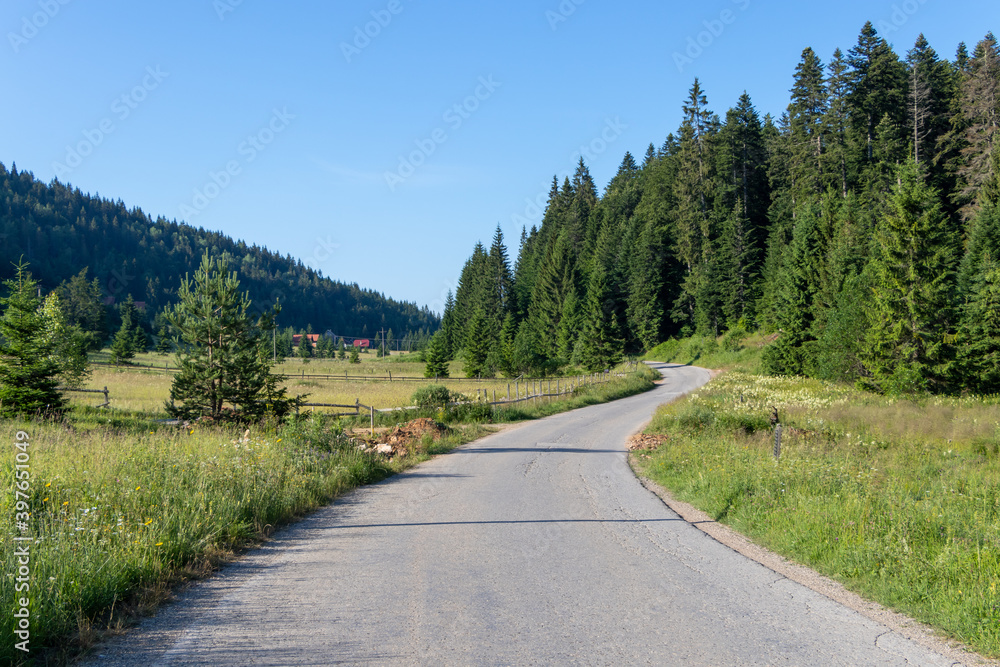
[305,350]
[81,306]
[29,364]
[126,340]
[341,351]
[478,343]
[163,344]
[806,116]
[979,335]
[912,270]
[225,364]
[599,346]
[437,357]
[354,358]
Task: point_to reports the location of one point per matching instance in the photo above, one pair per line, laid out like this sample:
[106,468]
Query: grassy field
[898,498]
[135,389]
[123,507]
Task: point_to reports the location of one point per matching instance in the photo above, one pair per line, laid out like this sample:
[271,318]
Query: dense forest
[861,226]
[60,232]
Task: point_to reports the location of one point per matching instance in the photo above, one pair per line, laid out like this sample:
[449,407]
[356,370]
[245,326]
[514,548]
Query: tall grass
[121,511]
[897,498]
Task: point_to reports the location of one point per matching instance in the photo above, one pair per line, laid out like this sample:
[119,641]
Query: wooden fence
[107,398]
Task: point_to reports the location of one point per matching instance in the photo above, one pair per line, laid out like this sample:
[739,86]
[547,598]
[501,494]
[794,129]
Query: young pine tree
[341,351]
[437,357]
[126,340]
[163,344]
[225,364]
[305,350]
[29,367]
[355,357]
[478,343]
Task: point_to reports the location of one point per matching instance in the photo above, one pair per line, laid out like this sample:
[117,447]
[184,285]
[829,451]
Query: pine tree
[81,305]
[29,364]
[798,286]
[836,121]
[806,116]
[305,351]
[126,341]
[979,335]
[477,346]
[978,124]
[437,357]
[645,312]
[599,345]
[694,221]
[912,272]
[341,350]
[225,367]
[877,89]
[163,344]
[354,358]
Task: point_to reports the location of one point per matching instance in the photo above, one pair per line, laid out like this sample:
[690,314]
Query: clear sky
[378,140]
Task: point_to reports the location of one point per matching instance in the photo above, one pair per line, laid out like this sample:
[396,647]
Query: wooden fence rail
[107,399]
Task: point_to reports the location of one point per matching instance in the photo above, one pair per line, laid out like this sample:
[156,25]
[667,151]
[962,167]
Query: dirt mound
[645,442]
[397,442]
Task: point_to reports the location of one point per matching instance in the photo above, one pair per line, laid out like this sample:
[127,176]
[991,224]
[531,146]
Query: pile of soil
[397,442]
[646,443]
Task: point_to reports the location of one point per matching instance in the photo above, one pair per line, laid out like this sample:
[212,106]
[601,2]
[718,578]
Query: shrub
[431,396]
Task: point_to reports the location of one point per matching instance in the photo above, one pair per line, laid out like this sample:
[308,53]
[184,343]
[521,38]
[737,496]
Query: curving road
[535,545]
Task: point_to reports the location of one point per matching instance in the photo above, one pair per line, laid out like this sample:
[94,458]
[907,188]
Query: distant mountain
[60,231]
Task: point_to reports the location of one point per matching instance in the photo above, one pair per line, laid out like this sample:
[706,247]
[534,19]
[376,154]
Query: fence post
[494,395]
[357,406]
[390,376]
[107,401]
[372,408]
[508,392]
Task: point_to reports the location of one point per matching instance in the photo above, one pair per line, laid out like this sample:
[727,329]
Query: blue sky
[379,140]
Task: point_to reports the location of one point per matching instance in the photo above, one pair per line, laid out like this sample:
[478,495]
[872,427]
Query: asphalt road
[536,545]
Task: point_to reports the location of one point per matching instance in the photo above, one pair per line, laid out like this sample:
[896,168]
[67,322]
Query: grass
[121,511]
[722,353]
[124,507]
[133,388]
[897,498]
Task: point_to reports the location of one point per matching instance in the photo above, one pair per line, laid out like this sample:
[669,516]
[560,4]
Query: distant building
[362,342]
[313,338]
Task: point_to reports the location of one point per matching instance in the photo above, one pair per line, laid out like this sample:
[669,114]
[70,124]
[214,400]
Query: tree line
[97,248]
[861,226]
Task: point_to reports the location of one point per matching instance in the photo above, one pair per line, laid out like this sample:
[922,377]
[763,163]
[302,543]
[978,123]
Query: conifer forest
[860,228]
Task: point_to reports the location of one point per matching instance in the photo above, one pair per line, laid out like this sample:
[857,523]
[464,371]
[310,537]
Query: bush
[431,396]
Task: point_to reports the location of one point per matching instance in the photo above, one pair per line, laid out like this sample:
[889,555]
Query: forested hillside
[861,224]
[60,231]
